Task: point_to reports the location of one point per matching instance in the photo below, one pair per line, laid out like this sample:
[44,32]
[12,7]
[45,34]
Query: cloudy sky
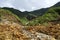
[27,5]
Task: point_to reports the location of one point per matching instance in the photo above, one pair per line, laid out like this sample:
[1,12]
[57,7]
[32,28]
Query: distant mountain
[57,4]
[15,11]
[31,15]
[37,16]
[40,11]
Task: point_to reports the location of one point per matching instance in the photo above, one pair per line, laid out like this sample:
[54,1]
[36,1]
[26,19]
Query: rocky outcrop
[14,31]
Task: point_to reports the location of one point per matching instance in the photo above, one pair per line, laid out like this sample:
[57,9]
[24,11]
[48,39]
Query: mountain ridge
[26,16]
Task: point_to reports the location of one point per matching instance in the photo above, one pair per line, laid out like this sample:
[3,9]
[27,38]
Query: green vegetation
[51,14]
[4,12]
[23,20]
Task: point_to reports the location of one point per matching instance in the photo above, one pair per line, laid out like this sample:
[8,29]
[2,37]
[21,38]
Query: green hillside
[52,14]
[28,18]
[36,17]
[6,15]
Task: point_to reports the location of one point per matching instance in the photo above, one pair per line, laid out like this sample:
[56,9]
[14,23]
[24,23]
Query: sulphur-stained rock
[38,36]
[44,37]
[14,31]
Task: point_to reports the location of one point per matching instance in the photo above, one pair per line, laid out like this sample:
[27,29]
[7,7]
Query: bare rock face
[39,36]
[14,31]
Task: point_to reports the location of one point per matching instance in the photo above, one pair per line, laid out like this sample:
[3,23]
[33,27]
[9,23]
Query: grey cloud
[27,5]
